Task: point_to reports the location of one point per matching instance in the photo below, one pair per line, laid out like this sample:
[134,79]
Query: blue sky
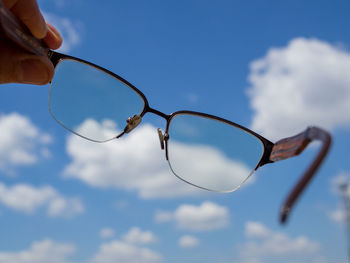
[273,66]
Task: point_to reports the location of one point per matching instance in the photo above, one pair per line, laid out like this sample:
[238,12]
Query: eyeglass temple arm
[292,146]
[19,33]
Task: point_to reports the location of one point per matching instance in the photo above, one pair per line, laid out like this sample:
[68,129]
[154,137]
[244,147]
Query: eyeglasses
[203,150]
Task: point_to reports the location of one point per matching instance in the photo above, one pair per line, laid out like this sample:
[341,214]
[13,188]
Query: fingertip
[53,38]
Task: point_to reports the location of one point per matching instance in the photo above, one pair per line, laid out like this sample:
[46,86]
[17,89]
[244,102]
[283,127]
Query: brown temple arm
[19,33]
[293,146]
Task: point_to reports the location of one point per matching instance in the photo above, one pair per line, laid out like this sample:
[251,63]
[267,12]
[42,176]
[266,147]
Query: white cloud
[46,251]
[68,29]
[107,233]
[265,245]
[135,162]
[21,142]
[26,198]
[205,217]
[137,236]
[305,83]
[128,249]
[340,186]
[49,251]
[123,252]
[61,206]
[208,167]
[188,241]
[256,229]
[338,215]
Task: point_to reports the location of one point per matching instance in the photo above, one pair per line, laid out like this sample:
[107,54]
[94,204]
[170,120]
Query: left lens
[211,153]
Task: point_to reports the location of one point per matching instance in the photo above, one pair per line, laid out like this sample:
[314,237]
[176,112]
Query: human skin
[19,66]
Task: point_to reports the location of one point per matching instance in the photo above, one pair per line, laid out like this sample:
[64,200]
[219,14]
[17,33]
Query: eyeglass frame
[273,152]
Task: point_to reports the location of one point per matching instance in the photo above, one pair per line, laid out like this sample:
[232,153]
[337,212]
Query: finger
[28,12]
[20,67]
[53,38]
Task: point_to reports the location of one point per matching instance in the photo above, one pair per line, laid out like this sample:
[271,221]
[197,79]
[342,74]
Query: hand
[17,65]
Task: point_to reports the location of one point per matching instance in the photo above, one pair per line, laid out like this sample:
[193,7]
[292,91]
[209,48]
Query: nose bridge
[159,113]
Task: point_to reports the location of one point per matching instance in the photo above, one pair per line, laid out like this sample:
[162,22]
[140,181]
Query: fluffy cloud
[265,245]
[136,236]
[27,199]
[305,83]
[134,162]
[128,249]
[205,217]
[256,229]
[21,142]
[188,241]
[67,28]
[123,252]
[338,215]
[46,251]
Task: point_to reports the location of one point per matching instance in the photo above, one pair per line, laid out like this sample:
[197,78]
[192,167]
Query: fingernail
[33,71]
[44,29]
[54,32]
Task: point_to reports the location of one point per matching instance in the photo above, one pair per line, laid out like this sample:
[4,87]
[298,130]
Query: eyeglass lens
[211,154]
[82,96]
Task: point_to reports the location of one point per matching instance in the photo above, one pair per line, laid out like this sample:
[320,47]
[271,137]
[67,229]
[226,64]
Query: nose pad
[161,138]
[132,123]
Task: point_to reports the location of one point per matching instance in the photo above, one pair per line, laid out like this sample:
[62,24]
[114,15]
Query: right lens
[83,97]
